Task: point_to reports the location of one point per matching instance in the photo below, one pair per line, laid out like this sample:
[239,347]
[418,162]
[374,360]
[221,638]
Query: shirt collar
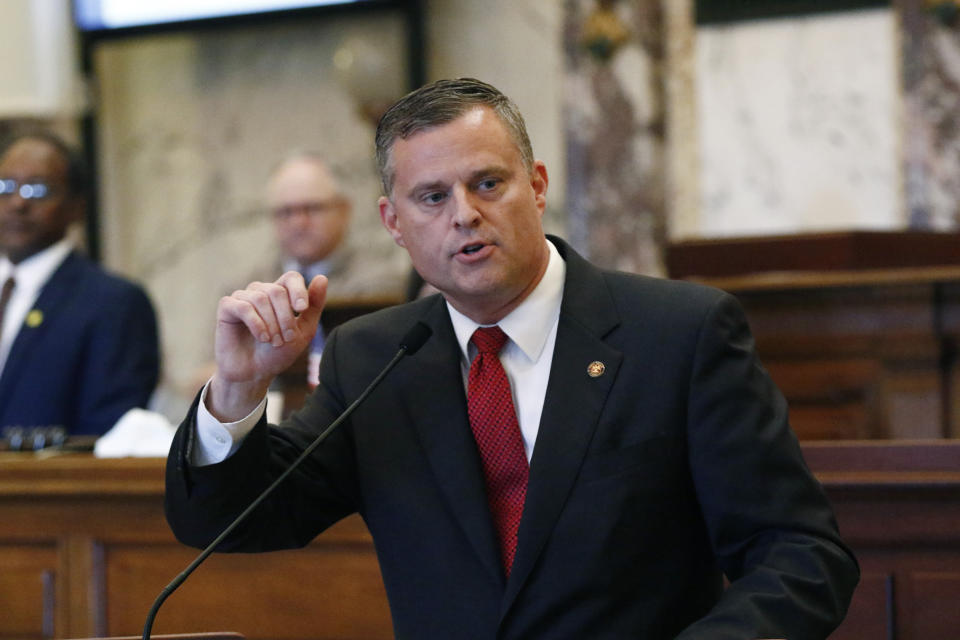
[32,273]
[529,325]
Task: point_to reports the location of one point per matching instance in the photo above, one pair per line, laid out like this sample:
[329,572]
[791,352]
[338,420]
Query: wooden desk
[84,550]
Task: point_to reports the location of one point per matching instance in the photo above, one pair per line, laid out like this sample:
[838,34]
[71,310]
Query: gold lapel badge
[34,318]
[595,369]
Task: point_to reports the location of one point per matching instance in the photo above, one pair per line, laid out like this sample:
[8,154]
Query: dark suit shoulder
[601,299]
[98,276]
[692,293]
[641,301]
[98,286]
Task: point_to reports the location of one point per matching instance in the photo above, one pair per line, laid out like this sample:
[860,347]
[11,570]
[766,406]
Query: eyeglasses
[313,208]
[27,190]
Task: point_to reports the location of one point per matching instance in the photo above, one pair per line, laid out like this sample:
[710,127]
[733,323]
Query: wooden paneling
[841,251]
[931,601]
[871,611]
[859,330]
[325,591]
[83,543]
[27,582]
[898,507]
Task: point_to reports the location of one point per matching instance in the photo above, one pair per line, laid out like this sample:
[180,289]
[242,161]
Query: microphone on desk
[409,344]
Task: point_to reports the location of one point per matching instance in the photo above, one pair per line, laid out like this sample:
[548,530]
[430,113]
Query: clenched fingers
[296,290]
[266,311]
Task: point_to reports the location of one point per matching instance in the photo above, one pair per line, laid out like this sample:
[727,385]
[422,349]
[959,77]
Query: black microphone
[409,345]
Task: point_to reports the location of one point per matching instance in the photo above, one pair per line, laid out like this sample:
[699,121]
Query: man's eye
[433,197]
[489,185]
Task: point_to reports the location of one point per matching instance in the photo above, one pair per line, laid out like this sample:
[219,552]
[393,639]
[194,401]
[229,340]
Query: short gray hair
[440,103]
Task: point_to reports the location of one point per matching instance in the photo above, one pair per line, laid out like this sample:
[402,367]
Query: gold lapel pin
[595,369]
[34,318]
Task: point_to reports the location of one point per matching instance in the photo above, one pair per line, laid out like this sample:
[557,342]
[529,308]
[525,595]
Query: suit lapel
[56,293]
[571,410]
[439,409]
[572,407]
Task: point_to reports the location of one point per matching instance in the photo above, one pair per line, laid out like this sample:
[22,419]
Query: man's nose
[465,212]
[15,202]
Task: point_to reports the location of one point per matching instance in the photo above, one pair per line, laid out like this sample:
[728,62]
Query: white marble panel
[799,123]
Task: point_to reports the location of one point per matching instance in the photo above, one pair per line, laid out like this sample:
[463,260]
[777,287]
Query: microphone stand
[411,342]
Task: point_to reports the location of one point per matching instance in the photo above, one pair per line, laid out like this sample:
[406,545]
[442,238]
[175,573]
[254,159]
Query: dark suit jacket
[93,356]
[647,484]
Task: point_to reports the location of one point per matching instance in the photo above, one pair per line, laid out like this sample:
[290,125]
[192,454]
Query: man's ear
[539,182]
[388,216]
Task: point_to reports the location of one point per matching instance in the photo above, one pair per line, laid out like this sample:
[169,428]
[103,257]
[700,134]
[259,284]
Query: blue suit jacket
[93,355]
[647,484]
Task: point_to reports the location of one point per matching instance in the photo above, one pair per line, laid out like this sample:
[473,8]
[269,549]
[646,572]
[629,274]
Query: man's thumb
[317,296]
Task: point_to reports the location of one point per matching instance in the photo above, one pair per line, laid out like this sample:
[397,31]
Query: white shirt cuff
[216,441]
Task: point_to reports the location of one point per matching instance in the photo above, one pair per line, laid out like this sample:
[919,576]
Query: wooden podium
[85,550]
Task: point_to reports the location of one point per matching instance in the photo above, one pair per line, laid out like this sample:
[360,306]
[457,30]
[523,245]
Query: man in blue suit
[645,454]
[78,346]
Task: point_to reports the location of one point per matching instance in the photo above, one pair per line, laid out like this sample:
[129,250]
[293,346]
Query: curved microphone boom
[410,344]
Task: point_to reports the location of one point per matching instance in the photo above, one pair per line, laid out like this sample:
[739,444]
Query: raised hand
[261,330]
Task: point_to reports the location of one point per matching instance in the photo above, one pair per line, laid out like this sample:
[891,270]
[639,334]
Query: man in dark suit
[78,346]
[638,455]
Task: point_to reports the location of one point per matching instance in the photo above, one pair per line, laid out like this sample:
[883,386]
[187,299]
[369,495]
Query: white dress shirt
[526,358]
[30,276]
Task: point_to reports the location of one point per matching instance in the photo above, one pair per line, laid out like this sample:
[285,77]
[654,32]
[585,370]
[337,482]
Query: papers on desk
[137,434]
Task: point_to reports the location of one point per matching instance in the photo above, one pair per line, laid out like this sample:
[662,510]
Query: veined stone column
[614,121]
[931,85]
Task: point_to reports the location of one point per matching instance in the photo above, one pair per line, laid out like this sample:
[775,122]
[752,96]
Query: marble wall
[931,72]
[799,125]
[191,124]
[768,126]
[614,58]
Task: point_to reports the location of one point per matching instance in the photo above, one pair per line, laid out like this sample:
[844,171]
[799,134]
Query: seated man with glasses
[311,216]
[78,346]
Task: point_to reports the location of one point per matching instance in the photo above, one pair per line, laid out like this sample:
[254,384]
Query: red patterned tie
[497,432]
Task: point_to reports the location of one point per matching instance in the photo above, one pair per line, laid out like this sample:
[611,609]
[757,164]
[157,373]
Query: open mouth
[471,248]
